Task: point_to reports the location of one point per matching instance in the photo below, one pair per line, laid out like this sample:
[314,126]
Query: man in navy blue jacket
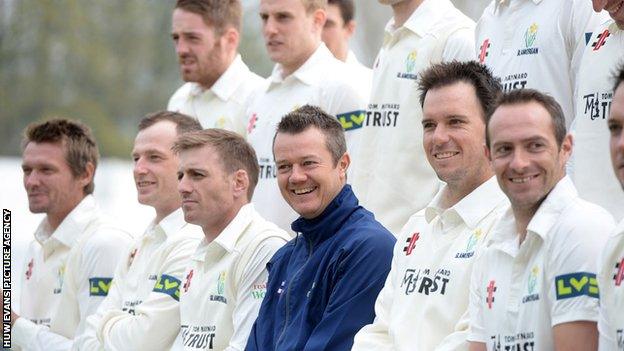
[323,284]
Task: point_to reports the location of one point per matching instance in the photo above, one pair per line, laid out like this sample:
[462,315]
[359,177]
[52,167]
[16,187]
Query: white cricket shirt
[423,304]
[141,311]
[536,44]
[224,104]
[322,81]
[611,283]
[67,275]
[518,293]
[226,282]
[391,175]
[362,75]
[592,173]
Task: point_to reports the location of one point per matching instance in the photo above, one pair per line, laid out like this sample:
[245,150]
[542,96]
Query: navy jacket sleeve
[361,275]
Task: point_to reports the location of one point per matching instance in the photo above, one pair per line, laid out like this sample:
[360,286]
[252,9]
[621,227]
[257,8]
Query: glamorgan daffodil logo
[221,283]
[410,62]
[473,240]
[532,281]
[530,35]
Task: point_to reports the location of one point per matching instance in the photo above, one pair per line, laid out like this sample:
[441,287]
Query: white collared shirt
[518,293]
[536,44]
[424,301]
[361,75]
[321,81]
[593,101]
[67,276]
[224,104]
[226,282]
[391,175]
[141,310]
[611,284]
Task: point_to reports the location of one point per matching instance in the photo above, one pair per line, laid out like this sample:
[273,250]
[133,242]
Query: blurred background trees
[109,62]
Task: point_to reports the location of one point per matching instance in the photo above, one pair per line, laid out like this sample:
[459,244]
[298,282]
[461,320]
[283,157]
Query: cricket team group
[463,194]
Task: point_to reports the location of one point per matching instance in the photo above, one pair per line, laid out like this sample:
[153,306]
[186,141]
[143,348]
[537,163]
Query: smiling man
[323,284]
[141,311]
[534,287]
[424,302]
[70,264]
[226,278]
[206,34]
[305,72]
[611,323]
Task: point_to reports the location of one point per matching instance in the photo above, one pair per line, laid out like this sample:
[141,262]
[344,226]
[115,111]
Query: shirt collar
[169,225]
[549,211]
[72,226]
[547,215]
[229,236]
[352,59]
[471,209]
[310,72]
[423,18]
[226,85]
[498,3]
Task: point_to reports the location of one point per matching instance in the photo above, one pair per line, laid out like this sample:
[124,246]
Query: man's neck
[403,10]
[523,217]
[291,68]
[163,212]
[454,193]
[209,81]
[215,229]
[56,218]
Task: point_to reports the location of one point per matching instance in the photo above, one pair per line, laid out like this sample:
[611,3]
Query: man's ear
[487,152]
[87,176]
[350,27]
[240,183]
[343,164]
[319,17]
[230,38]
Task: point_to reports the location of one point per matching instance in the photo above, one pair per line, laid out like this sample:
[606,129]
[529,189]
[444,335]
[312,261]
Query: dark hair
[308,116]
[346,7]
[75,137]
[487,87]
[183,123]
[216,13]
[618,78]
[523,96]
[235,153]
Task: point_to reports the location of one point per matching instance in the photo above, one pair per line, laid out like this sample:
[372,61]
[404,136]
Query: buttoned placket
[525,252]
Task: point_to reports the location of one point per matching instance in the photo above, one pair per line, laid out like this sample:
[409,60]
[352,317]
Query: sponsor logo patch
[576,284]
[168,285]
[491,289]
[352,120]
[99,286]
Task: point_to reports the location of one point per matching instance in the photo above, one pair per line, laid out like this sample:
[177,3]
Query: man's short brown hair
[234,152]
[183,122]
[313,5]
[346,7]
[308,116]
[75,138]
[618,78]
[525,96]
[219,14]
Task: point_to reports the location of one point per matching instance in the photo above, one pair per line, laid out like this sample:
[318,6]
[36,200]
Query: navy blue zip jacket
[323,284]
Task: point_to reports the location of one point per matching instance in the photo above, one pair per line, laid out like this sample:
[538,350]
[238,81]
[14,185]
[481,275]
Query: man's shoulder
[179,97]
[363,229]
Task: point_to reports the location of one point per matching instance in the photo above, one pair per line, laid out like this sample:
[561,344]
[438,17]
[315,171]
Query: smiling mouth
[521,180]
[443,155]
[303,191]
[144,183]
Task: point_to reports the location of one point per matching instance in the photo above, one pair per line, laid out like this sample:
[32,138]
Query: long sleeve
[361,275]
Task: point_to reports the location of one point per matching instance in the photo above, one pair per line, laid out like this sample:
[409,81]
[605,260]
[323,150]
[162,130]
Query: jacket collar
[499,3]
[331,220]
